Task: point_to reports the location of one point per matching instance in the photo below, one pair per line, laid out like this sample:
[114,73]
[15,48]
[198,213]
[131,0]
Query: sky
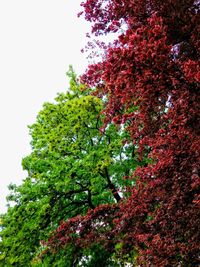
[39,39]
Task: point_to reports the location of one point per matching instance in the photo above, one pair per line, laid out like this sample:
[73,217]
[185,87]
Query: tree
[153,65]
[74,167]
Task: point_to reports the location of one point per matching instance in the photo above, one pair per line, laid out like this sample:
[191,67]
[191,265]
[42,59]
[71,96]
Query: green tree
[74,166]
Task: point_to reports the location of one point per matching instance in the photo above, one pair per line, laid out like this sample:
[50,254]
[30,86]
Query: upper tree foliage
[74,167]
[154,66]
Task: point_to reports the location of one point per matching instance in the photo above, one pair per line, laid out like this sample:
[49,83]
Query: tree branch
[111,186]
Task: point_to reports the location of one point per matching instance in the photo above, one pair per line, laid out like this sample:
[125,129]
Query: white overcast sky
[38,41]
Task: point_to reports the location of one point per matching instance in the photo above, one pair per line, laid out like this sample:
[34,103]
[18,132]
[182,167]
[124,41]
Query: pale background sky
[38,41]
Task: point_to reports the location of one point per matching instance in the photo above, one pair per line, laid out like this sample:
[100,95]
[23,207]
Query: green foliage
[73,167]
[98,257]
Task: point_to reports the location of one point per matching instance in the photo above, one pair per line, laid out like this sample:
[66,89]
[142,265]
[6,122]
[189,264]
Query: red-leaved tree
[153,66]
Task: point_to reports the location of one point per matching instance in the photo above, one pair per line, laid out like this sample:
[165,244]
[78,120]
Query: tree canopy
[113,179]
[74,167]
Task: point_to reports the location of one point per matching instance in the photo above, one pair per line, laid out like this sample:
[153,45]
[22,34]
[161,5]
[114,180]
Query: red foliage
[154,66]
[82,231]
